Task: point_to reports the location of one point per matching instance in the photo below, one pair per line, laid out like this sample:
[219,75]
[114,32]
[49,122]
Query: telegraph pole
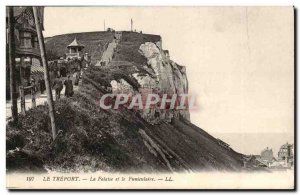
[131,24]
[12,64]
[46,72]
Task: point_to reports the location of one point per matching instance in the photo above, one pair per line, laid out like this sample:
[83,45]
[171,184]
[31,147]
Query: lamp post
[12,63]
[46,72]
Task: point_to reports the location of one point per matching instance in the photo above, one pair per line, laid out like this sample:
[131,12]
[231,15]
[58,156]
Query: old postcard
[150,97]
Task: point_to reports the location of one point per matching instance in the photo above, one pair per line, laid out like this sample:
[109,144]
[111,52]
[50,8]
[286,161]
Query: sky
[239,62]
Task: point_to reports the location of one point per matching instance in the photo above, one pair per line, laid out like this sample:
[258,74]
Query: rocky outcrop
[163,76]
[121,87]
[170,77]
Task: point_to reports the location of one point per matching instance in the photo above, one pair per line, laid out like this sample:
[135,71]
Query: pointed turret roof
[285,146]
[75,43]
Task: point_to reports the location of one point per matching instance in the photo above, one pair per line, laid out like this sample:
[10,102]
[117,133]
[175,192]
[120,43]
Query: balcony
[30,51]
[27,28]
[72,55]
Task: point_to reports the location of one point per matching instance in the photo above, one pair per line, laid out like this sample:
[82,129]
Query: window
[22,42]
[25,35]
[7,34]
[25,39]
[33,42]
[36,42]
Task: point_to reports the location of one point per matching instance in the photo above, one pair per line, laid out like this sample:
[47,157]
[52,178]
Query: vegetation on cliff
[92,139]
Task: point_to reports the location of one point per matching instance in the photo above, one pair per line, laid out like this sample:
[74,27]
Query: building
[27,51]
[74,50]
[265,159]
[254,161]
[267,155]
[286,154]
[110,30]
[167,54]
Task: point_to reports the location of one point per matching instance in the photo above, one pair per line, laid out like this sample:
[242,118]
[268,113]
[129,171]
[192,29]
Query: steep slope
[179,145]
[93,139]
[140,65]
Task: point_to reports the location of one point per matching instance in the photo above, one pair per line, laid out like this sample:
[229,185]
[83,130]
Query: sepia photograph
[150,97]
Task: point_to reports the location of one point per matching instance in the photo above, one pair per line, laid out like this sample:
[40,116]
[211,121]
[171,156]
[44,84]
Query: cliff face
[170,77]
[162,76]
[167,134]
[94,139]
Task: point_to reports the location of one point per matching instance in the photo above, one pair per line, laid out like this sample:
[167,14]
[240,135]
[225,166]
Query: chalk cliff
[162,76]
[94,139]
[170,77]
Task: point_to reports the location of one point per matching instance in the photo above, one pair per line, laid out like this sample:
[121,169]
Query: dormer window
[25,40]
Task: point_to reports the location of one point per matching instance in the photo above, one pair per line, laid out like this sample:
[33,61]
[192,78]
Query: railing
[28,50]
[72,54]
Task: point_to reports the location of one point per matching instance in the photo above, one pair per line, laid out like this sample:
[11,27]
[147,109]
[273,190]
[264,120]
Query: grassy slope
[128,48]
[95,139]
[91,139]
[94,43]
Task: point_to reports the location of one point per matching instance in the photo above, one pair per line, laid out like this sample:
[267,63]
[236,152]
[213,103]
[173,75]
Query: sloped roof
[19,11]
[37,69]
[75,43]
[285,146]
[267,149]
[262,162]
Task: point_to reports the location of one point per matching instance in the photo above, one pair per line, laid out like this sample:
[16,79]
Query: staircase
[109,52]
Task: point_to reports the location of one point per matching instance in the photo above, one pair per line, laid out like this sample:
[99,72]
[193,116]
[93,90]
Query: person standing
[77,76]
[69,87]
[32,83]
[57,86]
[42,85]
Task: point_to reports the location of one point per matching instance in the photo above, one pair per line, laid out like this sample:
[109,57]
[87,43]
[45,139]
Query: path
[40,99]
[109,52]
